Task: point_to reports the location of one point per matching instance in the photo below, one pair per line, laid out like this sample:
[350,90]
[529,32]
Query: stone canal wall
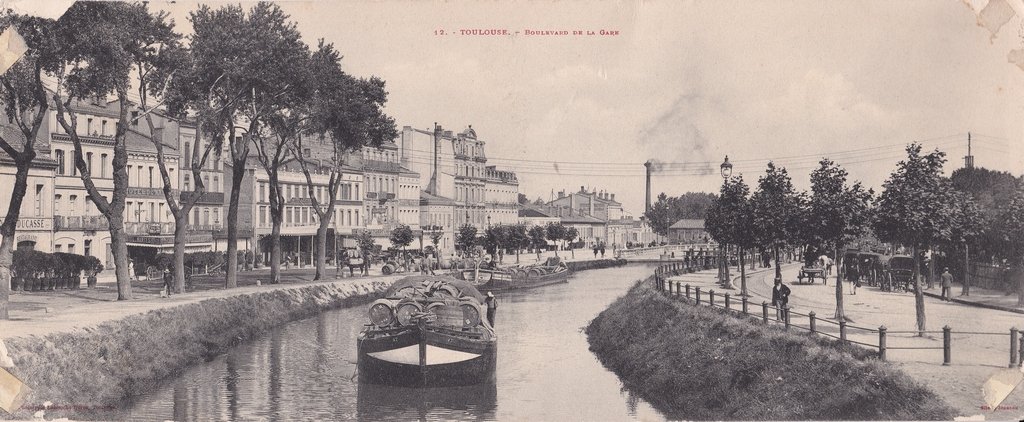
[595,264]
[698,363]
[100,367]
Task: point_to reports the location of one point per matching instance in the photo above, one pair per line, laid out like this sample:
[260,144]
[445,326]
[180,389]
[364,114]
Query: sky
[685,84]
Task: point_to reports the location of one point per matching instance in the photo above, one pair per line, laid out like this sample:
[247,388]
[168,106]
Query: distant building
[687,231]
[436,216]
[601,205]
[630,231]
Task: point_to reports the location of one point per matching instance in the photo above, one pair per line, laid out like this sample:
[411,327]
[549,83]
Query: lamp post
[723,265]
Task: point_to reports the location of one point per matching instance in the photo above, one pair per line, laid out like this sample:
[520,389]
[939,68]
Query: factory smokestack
[648,201]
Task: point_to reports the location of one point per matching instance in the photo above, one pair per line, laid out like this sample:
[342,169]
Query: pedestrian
[602,250]
[780,298]
[131,270]
[595,252]
[492,307]
[947,283]
[168,280]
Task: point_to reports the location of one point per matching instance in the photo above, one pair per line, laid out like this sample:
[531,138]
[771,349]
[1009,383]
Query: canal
[305,370]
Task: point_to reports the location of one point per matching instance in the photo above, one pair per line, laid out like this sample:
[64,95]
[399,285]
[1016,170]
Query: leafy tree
[538,238]
[666,211]
[914,210]
[346,113]
[967,228]
[401,236]
[522,199]
[570,236]
[466,238]
[729,221]
[518,238]
[556,233]
[837,214]
[101,44]
[25,105]
[496,238]
[1012,217]
[245,68]
[777,212]
[435,238]
[366,244]
[992,191]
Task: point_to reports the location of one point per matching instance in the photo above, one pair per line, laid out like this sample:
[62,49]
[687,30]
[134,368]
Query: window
[150,176]
[206,216]
[88,161]
[56,204]
[206,181]
[139,175]
[103,128]
[152,212]
[71,248]
[195,216]
[57,248]
[60,161]
[216,184]
[216,216]
[187,184]
[188,155]
[103,165]
[88,127]
[87,247]
[72,203]
[129,172]
[39,200]
[263,215]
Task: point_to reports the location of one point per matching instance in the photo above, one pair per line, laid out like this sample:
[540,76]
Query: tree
[538,238]
[518,238]
[1012,217]
[249,62]
[101,43]
[347,114]
[366,245]
[776,211]
[435,238]
[837,214]
[496,238]
[466,238]
[401,236]
[666,211]
[570,236]
[522,199]
[555,233]
[967,228]
[914,210]
[728,221]
[992,191]
[25,105]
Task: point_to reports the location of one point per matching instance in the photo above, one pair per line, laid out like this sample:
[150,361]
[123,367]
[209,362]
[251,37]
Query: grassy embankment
[699,363]
[103,366]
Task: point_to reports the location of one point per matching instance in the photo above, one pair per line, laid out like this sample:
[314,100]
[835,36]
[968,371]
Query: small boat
[427,331]
[550,272]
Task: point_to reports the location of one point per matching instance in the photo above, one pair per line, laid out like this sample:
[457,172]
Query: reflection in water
[305,370]
[378,402]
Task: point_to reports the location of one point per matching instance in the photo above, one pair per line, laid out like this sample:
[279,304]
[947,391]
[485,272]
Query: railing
[839,330]
[80,222]
[203,227]
[148,228]
[380,195]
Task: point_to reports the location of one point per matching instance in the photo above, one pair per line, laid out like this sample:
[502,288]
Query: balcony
[204,228]
[79,222]
[147,228]
[136,192]
[380,195]
[208,198]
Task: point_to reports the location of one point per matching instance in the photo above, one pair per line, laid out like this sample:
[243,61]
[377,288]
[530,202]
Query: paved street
[975,357]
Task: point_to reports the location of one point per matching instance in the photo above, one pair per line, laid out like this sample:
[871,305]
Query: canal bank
[120,349]
[697,363]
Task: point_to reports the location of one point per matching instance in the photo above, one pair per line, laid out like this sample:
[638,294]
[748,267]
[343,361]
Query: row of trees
[918,209]
[514,237]
[245,77]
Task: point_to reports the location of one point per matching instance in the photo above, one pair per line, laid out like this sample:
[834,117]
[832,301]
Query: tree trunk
[967,271]
[727,284]
[840,313]
[231,273]
[517,255]
[778,264]
[743,274]
[321,250]
[931,267]
[119,248]
[180,229]
[8,229]
[918,293]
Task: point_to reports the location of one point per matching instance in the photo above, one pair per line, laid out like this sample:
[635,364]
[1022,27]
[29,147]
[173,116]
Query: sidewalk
[980,297]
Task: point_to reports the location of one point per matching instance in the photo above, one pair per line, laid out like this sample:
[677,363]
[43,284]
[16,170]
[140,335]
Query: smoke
[674,135]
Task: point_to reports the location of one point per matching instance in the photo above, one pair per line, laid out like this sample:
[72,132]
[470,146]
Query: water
[305,370]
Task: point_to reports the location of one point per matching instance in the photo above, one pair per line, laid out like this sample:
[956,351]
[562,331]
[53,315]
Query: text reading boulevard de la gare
[529,32]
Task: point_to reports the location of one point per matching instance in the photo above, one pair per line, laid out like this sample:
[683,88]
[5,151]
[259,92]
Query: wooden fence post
[946,340]
[743,299]
[811,316]
[687,291]
[697,294]
[727,301]
[711,298]
[881,342]
[1013,346]
[764,312]
[785,315]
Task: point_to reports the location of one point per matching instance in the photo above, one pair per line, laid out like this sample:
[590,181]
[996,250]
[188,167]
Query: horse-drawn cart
[810,272]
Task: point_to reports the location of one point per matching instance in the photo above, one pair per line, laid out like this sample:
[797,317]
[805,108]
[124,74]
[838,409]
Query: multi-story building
[601,205]
[392,195]
[457,165]
[437,215]
[630,231]
[34,230]
[501,194]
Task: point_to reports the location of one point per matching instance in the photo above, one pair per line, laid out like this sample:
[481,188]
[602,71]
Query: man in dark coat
[780,297]
[492,308]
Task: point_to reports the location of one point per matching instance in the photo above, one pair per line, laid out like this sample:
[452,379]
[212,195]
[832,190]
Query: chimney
[582,189]
[561,194]
[432,186]
[611,197]
[648,200]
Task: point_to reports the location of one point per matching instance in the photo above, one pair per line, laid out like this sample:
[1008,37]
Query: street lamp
[723,265]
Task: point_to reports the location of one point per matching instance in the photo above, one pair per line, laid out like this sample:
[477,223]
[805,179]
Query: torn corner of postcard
[12,391]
